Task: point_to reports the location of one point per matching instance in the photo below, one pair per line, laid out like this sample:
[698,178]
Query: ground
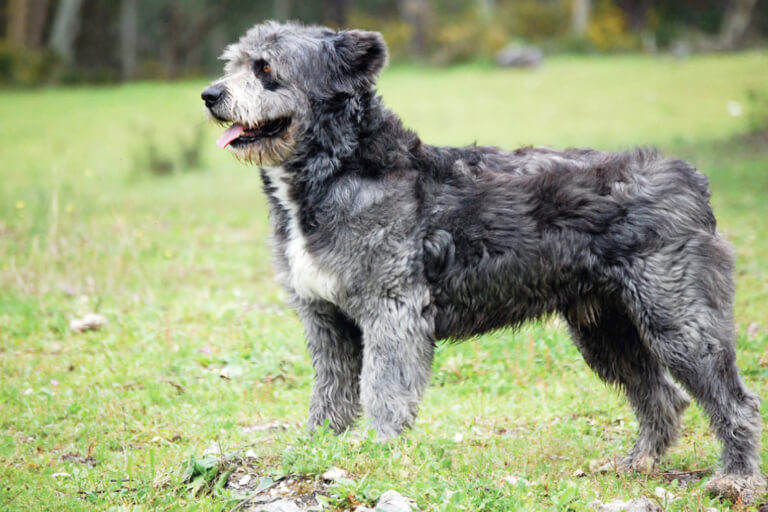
[200,353]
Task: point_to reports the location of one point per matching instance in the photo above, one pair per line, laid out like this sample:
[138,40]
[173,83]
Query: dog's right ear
[363,54]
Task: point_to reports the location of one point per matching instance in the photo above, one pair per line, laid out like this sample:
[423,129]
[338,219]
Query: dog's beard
[266,152]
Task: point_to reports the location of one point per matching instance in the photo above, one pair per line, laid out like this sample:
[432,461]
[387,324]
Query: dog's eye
[263,72]
[261,66]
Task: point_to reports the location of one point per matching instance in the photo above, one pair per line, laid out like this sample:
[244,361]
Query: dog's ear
[362,53]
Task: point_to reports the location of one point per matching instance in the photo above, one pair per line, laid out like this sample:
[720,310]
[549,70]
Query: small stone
[518,56]
[90,322]
[579,473]
[664,494]
[514,480]
[250,454]
[244,481]
[213,449]
[636,505]
[334,474]
[277,506]
[393,501]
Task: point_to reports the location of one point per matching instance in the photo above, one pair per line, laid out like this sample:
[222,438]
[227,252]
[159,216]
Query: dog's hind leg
[681,299]
[612,347]
[398,342]
[335,346]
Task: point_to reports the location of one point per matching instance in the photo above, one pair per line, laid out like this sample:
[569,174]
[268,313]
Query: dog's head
[275,77]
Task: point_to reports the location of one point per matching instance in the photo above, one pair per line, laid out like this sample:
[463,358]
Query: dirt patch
[260,490]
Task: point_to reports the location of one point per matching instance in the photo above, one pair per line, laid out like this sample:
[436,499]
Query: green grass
[180,267]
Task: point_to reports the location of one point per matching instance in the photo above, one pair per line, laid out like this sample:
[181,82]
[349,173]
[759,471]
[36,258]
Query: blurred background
[73,41]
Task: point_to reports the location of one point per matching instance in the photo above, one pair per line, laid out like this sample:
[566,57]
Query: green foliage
[21,67]
[608,30]
[536,20]
[200,345]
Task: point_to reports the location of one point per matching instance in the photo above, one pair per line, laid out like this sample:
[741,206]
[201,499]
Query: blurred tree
[636,12]
[128,39]
[418,14]
[65,28]
[738,14]
[26,23]
[580,11]
[185,27]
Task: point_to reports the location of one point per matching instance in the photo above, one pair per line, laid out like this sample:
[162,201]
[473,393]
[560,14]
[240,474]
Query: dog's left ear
[362,52]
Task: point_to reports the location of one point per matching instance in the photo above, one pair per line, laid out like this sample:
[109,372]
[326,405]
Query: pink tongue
[229,135]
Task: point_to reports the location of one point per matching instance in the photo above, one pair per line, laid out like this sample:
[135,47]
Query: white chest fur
[307,279]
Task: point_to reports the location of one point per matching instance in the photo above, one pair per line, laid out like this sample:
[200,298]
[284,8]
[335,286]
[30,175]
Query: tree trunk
[738,14]
[36,17]
[128,38]
[65,28]
[580,12]
[17,23]
[418,14]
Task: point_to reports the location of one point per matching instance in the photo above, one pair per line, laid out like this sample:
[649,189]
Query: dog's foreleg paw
[745,488]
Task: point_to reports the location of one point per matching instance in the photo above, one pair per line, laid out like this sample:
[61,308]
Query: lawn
[200,351]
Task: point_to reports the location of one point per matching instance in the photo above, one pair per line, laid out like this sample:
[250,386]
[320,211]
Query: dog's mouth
[241,135]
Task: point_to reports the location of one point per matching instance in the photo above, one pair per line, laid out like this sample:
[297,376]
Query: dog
[386,245]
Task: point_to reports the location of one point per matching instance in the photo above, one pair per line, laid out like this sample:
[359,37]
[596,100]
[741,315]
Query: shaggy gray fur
[387,245]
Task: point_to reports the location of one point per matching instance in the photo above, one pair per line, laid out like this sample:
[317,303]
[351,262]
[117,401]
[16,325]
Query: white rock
[90,322]
[636,505]
[514,480]
[393,501]
[213,449]
[278,506]
[334,474]
[244,481]
[664,494]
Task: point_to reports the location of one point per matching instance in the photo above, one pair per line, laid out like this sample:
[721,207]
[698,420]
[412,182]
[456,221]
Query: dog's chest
[307,279]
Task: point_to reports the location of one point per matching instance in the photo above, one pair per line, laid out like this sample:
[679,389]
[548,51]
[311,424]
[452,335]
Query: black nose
[212,95]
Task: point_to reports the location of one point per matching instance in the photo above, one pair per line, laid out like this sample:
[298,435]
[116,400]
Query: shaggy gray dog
[386,245]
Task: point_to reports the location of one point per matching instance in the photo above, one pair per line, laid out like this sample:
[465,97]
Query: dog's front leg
[335,346]
[398,341]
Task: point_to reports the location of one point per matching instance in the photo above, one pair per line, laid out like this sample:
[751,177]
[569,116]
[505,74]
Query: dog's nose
[212,95]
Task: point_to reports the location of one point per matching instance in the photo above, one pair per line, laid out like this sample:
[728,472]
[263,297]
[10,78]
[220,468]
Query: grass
[180,267]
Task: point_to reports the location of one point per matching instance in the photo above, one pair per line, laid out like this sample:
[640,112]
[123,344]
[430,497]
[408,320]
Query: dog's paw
[737,487]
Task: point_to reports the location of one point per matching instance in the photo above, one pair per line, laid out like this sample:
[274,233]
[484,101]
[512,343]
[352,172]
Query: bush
[29,67]
[608,30]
